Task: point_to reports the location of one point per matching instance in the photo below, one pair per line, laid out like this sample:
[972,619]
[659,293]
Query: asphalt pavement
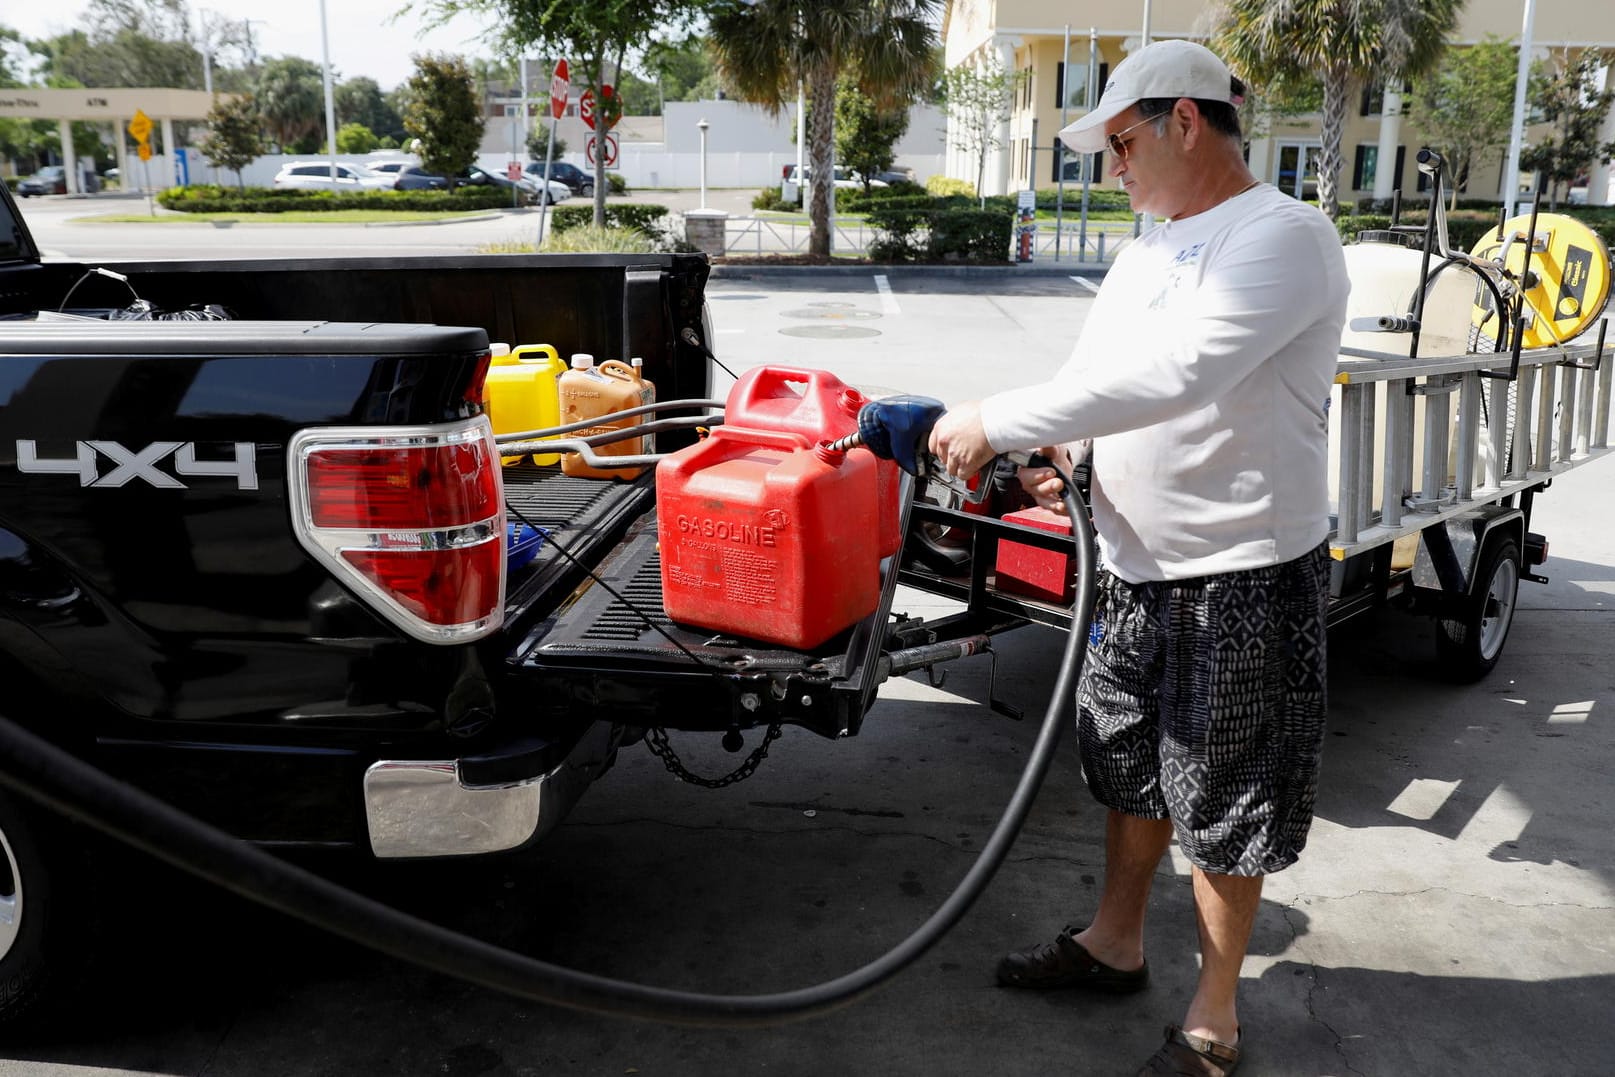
[1453,913]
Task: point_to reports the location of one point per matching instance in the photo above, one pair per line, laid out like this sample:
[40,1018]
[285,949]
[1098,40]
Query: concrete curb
[1008,272]
[493,215]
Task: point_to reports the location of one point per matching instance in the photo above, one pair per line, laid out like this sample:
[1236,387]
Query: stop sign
[560,87]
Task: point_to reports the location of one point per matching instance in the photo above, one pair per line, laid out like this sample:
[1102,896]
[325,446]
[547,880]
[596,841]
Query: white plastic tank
[1385,275]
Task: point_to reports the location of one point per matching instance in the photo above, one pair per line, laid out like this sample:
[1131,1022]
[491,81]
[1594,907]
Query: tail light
[412,518]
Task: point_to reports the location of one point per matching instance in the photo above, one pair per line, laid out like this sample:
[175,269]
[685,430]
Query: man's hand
[959,442]
[1044,483]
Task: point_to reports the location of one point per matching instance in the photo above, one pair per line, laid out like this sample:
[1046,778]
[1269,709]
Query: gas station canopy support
[114,106]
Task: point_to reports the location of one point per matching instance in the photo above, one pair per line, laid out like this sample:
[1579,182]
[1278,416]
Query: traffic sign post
[560,90]
[140,128]
[601,145]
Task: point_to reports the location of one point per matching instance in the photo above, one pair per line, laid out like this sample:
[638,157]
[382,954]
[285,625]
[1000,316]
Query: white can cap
[582,361]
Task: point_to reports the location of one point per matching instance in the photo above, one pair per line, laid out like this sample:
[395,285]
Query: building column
[1261,158]
[64,131]
[1390,137]
[121,152]
[1601,178]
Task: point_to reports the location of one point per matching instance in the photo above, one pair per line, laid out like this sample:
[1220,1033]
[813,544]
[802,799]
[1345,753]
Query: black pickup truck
[257,566]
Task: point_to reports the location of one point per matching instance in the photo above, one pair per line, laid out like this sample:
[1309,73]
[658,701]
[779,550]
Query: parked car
[845,177]
[895,175]
[52,179]
[577,181]
[316,176]
[529,187]
[410,177]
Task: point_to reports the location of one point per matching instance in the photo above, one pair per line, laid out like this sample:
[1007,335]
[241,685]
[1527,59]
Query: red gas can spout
[831,455]
[851,401]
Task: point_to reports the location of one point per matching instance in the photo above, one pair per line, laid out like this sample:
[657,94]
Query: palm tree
[764,48]
[291,101]
[1343,43]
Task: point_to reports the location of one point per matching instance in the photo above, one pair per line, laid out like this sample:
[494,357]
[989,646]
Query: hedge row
[914,234]
[211,198]
[643,216]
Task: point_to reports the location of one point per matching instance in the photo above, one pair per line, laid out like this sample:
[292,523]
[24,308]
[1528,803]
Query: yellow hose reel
[1570,277]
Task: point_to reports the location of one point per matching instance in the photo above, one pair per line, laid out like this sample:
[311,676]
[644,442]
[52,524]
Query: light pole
[702,127]
[207,51]
[330,111]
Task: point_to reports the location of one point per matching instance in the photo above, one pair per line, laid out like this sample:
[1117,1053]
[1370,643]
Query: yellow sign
[140,127]
[145,151]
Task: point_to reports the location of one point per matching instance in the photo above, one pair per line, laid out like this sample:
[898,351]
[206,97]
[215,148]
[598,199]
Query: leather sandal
[1187,1055]
[1066,963]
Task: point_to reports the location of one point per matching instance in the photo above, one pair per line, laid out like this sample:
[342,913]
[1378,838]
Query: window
[1075,88]
[1373,100]
[1070,165]
[1362,169]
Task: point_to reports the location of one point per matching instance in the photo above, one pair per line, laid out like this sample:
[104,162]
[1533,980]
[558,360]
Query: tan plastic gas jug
[589,392]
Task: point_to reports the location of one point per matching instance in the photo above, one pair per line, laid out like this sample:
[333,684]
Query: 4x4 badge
[130,464]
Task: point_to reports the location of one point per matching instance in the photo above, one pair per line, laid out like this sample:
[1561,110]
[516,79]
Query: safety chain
[656,741]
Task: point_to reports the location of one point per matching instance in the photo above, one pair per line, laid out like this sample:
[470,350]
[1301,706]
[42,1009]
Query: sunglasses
[1120,148]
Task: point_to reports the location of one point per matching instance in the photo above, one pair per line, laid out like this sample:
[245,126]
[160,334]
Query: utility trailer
[1438,458]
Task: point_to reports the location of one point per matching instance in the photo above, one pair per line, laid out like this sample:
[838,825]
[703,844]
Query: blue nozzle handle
[899,428]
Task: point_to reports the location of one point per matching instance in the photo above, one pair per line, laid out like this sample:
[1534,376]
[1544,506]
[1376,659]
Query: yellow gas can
[522,393]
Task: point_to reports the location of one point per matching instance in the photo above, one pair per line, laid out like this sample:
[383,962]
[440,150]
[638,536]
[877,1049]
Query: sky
[363,41]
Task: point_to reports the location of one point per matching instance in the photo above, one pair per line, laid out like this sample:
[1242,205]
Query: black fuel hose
[41,770]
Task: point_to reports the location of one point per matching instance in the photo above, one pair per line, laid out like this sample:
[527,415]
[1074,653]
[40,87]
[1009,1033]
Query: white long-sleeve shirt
[1202,375]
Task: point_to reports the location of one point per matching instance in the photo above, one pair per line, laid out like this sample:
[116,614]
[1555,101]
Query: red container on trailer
[821,407]
[766,536]
[1028,570]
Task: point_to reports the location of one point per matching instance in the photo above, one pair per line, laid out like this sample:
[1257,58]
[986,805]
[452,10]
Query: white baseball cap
[1171,69]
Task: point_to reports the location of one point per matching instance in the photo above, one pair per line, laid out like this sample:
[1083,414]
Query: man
[1200,381]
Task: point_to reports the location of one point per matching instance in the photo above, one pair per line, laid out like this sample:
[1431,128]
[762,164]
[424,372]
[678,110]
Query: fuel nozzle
[896,428]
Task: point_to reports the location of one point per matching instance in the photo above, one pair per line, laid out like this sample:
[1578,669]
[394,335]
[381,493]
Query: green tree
[234,139]
[445,114]
[765,48]
[360,100]
[640,97]
[1343,43]
[866,135]
[682,69]
[594,36]
[291,100]
[356,138]
[1565,94]
[977,104]
[1277,101]
[1465,104]
[538,141]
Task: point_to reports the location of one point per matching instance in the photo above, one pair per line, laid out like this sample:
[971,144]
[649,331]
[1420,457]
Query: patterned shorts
[1203,701]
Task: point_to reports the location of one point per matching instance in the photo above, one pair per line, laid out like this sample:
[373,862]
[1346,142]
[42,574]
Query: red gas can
[768,537]
[1028,570]
[821,407]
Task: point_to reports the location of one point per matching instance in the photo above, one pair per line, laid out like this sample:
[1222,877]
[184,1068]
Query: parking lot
[1453,913]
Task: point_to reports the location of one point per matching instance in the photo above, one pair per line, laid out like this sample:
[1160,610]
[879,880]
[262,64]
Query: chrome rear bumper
[425,808]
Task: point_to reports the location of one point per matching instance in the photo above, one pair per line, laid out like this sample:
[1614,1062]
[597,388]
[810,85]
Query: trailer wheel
[25,916]
[1468,647]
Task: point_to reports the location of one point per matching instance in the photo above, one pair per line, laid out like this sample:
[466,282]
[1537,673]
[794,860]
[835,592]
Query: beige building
[1049,39]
